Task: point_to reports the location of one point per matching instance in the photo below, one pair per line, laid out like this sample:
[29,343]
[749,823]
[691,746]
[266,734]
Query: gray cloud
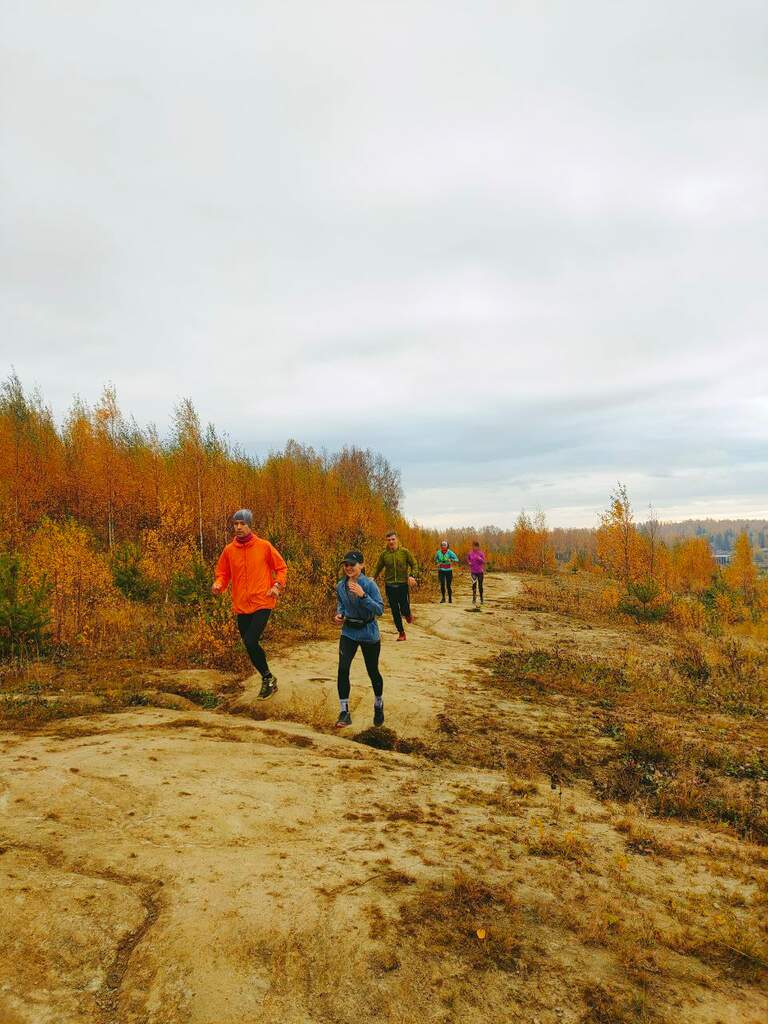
[518,248]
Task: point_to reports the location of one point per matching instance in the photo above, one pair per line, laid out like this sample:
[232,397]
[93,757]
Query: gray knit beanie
[243,515]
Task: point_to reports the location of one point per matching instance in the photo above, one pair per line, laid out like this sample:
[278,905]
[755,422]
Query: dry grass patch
[476,922]
[37,693]
[613,1004]
[734,939]
[665,752]
[642,839]
[672,776]
[566,843]
[587,598]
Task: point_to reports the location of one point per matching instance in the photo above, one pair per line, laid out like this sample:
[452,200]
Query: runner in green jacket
[400,571]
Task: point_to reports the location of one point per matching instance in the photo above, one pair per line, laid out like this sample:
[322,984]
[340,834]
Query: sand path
[185,866]
[145,853]
[420,674]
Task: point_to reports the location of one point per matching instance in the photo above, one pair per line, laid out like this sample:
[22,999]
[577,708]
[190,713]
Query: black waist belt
[356,623]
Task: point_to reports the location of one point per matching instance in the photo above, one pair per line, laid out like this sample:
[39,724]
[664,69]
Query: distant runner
[476,562]
[257,572]
[358,603]
[396,563]
[445,559]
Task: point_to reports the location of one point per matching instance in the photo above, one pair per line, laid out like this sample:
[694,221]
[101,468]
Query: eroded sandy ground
[168,866]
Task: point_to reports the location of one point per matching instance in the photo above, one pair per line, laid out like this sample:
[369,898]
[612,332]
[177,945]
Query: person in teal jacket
[444,560]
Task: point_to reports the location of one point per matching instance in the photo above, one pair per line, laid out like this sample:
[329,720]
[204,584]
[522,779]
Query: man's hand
[274,590]
[411,581]
[215,589]
[355,588]
[338,619]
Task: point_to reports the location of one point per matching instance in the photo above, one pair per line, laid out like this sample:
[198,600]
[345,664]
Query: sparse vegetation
[579,835]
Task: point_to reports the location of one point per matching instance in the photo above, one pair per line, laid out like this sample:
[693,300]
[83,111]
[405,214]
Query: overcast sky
[518,247]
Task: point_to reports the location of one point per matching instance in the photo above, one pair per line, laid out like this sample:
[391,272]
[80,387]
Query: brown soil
[177,865]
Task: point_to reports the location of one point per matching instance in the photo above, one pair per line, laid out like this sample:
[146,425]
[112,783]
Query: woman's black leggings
[446,582]
[347,651]
[477,584]
[251,626]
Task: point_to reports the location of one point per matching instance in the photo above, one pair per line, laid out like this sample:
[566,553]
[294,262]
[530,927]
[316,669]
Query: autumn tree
[651,543]
[531,546]
[741,574]
[80,462]
[29,460]
[619,547]
[62,556]
[107,423]
[188,458]
[693,566]
[169,548]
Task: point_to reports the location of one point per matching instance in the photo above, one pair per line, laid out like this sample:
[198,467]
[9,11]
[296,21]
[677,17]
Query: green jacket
[398,565]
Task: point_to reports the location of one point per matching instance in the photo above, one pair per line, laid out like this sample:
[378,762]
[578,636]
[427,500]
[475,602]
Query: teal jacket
[398,565]
[445,561]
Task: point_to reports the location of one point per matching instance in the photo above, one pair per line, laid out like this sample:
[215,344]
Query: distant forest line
[566,542]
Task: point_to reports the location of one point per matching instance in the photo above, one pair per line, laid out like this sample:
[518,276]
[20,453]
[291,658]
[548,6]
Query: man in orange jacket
[257,572]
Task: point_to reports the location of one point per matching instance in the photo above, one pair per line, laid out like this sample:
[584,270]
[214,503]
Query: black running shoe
[268,687]
[378,715]
[343,720]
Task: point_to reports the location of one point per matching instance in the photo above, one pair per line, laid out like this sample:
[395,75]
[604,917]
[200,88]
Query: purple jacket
[476,560]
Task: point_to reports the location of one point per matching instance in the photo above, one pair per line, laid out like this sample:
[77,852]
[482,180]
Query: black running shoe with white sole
[268,687]
[343,720]
[378,715]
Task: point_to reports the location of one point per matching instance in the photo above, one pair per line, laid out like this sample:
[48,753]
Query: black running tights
[446,582]
[251,626]
[347,651]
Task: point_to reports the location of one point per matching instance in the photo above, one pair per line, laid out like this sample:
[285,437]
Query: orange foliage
[620,548]
[687,613]
[693,566]
[531,547]
[101,496]
[741,574]
[62,554]
[101,501]
[168,549]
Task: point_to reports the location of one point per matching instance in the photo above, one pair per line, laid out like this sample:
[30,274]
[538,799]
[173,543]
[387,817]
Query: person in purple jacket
[476,562]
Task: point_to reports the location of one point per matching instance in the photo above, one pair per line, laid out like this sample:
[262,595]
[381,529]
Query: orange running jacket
[252,568]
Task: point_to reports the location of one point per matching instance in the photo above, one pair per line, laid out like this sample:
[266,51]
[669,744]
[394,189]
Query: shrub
[688,613]
[643,603]
[63,558]
[128,573]
[23,617]
[687,779]
[191,587]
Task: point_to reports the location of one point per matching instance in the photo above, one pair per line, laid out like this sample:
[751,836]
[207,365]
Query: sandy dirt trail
[419,674]
[145,855]
[186,866]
